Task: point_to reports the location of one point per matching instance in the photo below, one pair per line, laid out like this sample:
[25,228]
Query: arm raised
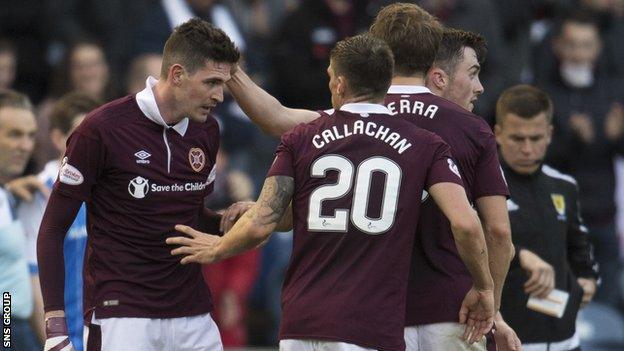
[263,109]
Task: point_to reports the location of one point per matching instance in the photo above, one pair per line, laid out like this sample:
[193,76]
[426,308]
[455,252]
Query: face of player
[89,70]
[464,86]
[17,141]
[523,142]
[201,91]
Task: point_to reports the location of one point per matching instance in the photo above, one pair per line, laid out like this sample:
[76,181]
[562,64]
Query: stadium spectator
[110,23]
[67,114]
[18,275]
[304,40]
[611,21]
[8,64]
[588,132]
[142,67]
[21,23]
[371,252]
[259,20]
[84,69]
[164,16]
[142,163]
[548,232]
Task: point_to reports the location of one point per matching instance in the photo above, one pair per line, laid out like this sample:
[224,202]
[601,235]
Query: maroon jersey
[439,280]
[139,177]
[359,176]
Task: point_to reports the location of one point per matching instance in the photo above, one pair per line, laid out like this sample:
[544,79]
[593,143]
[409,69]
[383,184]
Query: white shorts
[439,337]
[318,345]
[196,333]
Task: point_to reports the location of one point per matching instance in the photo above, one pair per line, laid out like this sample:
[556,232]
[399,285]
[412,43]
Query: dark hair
[524,101]
[366,62]
[451,50]
[584,16]
[413,35]
[68,107]
[194,42]
[12,98]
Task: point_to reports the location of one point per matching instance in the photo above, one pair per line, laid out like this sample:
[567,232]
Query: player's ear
[341,85]
[437,78]
[176,72]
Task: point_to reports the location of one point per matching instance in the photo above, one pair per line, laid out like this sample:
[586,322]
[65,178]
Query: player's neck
[165,100]
[409,80]
[366,99]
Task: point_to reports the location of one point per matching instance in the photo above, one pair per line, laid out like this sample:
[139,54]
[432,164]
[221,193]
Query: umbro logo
[142,157]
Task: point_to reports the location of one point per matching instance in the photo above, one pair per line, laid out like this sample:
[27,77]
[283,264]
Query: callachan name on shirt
[360,127]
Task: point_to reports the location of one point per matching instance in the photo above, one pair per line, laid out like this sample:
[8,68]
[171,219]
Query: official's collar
[147,103]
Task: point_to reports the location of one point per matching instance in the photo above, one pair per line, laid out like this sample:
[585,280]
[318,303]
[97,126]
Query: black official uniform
[544,213]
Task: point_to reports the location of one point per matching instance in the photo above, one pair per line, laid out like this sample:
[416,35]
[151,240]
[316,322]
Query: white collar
[364,107]
[408,89]
[147,103]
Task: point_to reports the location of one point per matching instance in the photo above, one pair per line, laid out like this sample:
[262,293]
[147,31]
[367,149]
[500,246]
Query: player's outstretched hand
[233,213]
[57,337]
[198,247]
[477,312]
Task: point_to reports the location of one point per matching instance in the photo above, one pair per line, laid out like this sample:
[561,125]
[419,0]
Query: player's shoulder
[464,117]
[109,115]
[306,128]
[559,178]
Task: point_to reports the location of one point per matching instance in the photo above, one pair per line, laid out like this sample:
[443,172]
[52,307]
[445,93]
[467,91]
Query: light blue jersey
[73,248]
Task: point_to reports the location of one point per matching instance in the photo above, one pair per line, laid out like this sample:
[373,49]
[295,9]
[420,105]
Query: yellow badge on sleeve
[560,205]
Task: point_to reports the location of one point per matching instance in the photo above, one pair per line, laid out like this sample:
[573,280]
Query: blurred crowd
[573,49]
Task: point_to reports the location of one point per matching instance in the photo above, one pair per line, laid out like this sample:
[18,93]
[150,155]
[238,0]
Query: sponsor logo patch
[69,174]
[197,159]
[138,187]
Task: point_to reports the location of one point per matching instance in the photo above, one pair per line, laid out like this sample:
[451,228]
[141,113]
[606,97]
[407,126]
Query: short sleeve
[489,180]
[283,164]
[443,168]
[81,165]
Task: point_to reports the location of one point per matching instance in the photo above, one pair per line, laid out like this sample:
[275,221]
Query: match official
[548,232]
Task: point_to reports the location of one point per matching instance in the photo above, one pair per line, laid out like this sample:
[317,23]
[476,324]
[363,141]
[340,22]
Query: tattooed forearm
[273,201]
